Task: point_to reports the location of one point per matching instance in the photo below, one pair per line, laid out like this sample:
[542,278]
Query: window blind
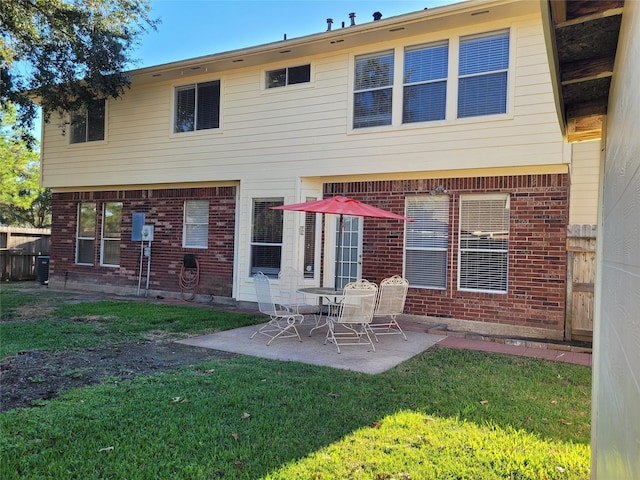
[85,239]
[373,89]
[266,236]
[208,95]
[185,109]
[484,243]
[425,82]
[111,233]
[196,224]
[309,242]
[483,71]
[427,240]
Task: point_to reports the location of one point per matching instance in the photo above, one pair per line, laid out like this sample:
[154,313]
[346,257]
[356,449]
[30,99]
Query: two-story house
[444,115]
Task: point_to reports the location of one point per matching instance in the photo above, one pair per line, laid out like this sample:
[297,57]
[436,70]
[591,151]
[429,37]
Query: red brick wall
[163,209]
[537,258]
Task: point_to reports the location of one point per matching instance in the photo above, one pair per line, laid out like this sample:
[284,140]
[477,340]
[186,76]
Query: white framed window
[111,234]
[87,125]
[426,241]
[195,228]
[483,73]
[86,234]
[483,255]
[197,107]
[425,74]
[288,76]
[373,89]
[266,236]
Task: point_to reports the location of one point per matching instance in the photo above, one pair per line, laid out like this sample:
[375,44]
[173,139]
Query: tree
[22,202]
[68,52]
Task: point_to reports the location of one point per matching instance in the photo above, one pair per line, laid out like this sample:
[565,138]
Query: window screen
[425,82]
[373,90]
[111,233]
[197,107]
[88,125]
[195,230]
[426,241]
[266,236]
[86,236]
[484,243]
[483,69]
[288,76]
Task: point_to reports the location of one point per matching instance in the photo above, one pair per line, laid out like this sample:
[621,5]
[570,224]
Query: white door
[350,254]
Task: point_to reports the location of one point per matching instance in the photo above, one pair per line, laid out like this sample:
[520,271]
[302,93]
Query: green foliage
[88,324]
[22,202]
[250,418]
[70,52]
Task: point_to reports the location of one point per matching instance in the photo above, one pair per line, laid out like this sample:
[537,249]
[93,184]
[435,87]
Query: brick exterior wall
[163,209]
[539,217]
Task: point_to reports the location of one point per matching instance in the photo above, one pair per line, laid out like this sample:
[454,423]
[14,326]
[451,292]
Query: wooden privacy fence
[581,274]
[19,250]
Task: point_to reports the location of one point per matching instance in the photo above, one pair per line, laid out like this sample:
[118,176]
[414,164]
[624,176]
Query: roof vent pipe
[329,22]
[352,16]
[377,16]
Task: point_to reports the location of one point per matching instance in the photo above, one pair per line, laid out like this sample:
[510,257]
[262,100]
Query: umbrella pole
[338,253]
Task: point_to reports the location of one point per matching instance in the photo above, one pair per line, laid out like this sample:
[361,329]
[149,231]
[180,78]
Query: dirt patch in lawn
[30,378]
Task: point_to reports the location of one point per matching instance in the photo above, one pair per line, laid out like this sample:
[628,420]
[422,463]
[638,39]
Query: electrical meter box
[147,233]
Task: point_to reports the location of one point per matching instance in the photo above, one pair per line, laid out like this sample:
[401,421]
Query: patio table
[328,294]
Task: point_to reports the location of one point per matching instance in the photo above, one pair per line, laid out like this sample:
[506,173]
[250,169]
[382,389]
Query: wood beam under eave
[580,129]
[558,11]
[587,69]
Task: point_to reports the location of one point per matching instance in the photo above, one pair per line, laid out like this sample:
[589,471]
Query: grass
[445,414]
[83,325]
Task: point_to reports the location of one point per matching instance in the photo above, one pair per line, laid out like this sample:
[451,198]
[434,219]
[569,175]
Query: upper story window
[435,85]
[373,89]
[483,69]
[425,82]
[288,76]
[197,107]
[87,125]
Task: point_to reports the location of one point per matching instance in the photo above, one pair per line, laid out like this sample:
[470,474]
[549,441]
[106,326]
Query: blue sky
[192,28]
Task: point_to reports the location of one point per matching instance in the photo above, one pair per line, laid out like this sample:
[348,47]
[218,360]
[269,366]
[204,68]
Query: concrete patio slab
[391,350]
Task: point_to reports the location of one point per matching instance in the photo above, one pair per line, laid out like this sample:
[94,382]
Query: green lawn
[446,414]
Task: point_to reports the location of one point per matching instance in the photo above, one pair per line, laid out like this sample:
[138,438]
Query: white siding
[616,386]
[585,172]
[304,130]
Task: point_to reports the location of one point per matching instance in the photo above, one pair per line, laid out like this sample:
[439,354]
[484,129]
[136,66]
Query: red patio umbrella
[340,205]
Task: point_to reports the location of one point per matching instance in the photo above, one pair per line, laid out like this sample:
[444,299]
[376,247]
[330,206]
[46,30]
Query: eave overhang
[581,38]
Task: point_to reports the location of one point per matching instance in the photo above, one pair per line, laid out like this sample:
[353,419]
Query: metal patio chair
[392,295]
[282,322]
[291,280]
[349,321]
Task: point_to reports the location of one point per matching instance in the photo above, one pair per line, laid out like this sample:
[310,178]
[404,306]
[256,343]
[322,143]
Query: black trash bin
[42,269]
